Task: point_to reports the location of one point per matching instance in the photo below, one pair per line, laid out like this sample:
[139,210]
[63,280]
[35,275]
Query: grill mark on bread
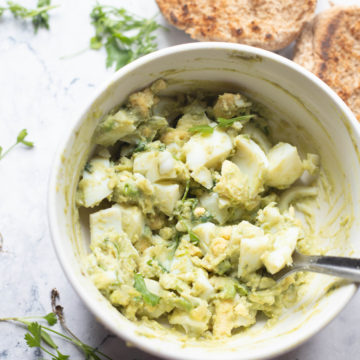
[329,46]
[326,43]
[185,10]
[323,68]
[237,32]
[173,17]
[255,27]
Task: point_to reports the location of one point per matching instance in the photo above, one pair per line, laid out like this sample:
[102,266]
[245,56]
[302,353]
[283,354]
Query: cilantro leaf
[21,138]
[174,244]
[31,341]
[223,267]
[202,129]
[206,218]
[61,356]
[162,267]
[183,303]
[140,286]
[228,122]
[17,10]
[95,43]
[42,18]
[130,190]
[125,37]
[48,339]
[116,55]
[140,147]
[22,135]
[29,144]
[33,337]
[193,238]
[39,15]
[51,318]
[88,167]
[241,289]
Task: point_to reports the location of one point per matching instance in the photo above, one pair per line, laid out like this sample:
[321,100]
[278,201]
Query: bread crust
[329,46]
[269,24]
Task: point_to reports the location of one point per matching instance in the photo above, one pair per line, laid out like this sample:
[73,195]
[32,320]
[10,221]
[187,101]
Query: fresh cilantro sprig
[19,140]
[125,36]
[221,122]
[147,296]
[34,338]
[39,335]
[39,15]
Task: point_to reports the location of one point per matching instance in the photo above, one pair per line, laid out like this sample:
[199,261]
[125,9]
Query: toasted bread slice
[269,24]
[329,46]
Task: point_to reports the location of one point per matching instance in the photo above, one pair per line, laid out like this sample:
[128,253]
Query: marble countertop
[41,91]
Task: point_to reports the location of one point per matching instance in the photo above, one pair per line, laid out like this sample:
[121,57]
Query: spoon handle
[348,268]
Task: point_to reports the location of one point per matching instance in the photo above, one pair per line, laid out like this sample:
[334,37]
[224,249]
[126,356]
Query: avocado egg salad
[192,211]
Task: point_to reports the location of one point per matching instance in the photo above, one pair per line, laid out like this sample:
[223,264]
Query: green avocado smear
[192,211]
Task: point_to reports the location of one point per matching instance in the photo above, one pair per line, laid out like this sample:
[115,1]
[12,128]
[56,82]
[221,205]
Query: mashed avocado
[192,211]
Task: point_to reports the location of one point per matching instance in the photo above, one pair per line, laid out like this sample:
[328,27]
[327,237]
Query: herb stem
[70,56]
[187,187]
[48,352]
[9,319]
[76,342]
[7,151]
[22,319]
[40,10]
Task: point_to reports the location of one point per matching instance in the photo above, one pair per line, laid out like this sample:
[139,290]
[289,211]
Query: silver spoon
[345,267]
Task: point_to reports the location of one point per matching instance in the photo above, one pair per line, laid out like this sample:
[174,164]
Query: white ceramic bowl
[318,121]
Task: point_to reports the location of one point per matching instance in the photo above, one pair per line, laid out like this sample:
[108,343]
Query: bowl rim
[136,339]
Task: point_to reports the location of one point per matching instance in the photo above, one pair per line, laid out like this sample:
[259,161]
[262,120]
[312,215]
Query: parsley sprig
[19,140]
[39,15]
[39,335]
[125,36]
